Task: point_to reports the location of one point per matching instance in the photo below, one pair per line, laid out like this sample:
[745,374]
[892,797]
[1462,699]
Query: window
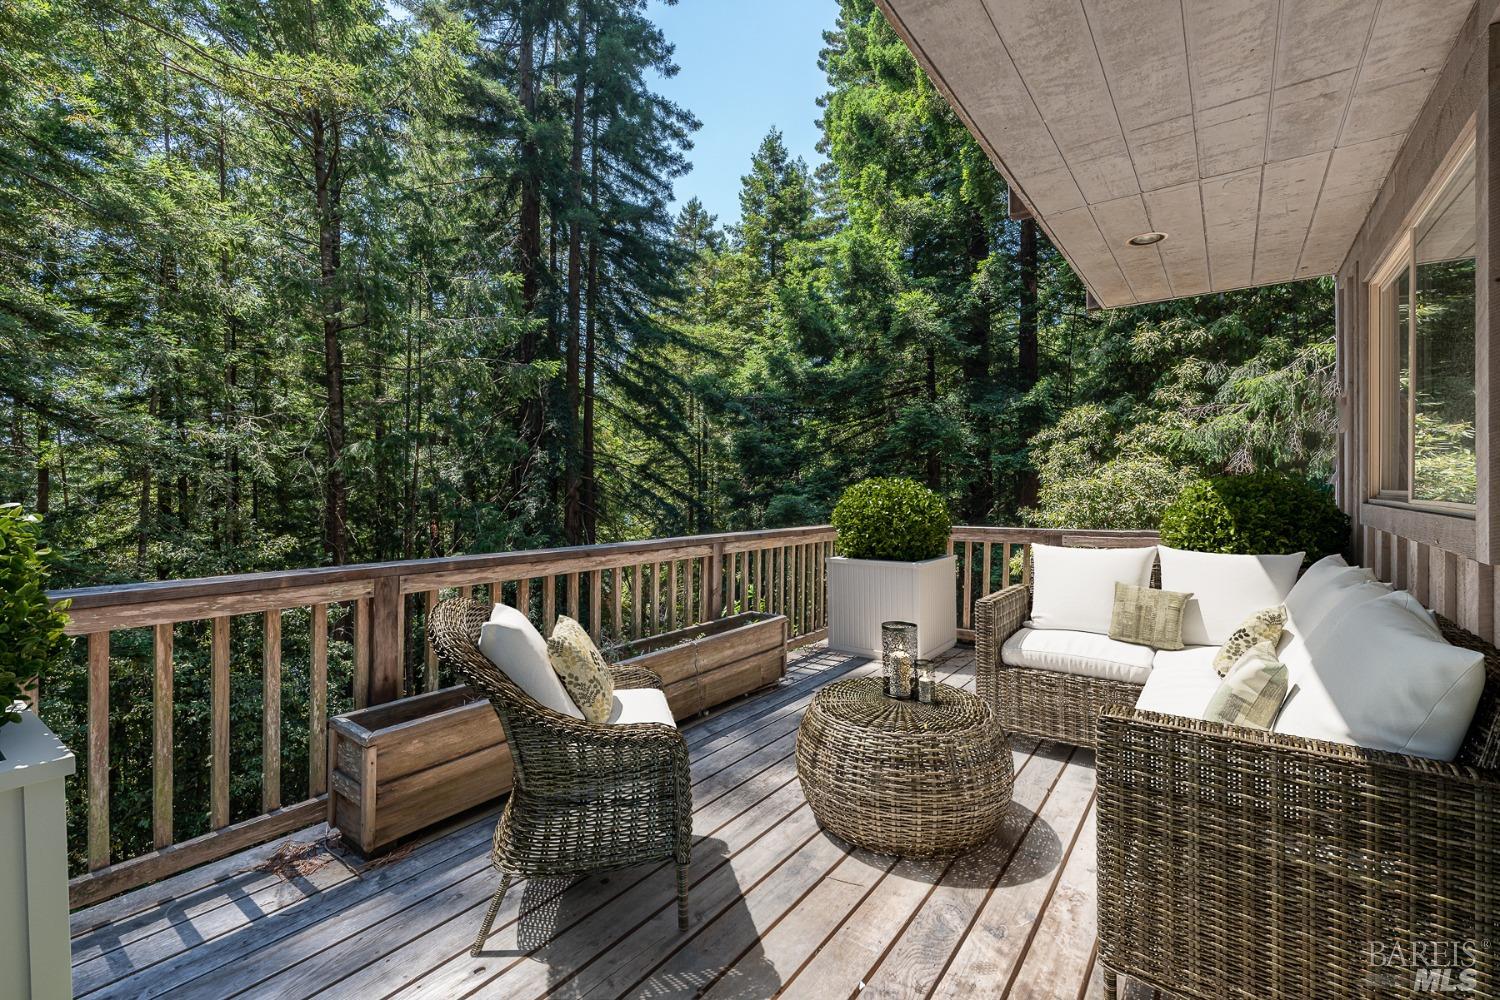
[1423,302]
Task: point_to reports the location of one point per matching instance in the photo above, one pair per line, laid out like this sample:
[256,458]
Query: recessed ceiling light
[1146,239]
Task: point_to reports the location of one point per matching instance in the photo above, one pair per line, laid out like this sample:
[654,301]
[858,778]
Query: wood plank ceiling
[1254,133]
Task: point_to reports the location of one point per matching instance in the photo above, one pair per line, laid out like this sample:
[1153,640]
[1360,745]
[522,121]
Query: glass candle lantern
[926,681]
[898,647]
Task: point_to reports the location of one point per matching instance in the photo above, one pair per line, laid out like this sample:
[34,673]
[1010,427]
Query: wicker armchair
[1042,703]
[587,797]
[1238,863]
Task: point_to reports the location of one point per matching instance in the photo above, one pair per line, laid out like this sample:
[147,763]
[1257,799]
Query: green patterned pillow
[1148,617]
[581,668]
[1263,626]
[1252,692]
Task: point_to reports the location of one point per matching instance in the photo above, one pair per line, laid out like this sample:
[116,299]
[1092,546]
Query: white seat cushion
[1074,589]
[1226,589]
[1181,682]
[640,705]
[513,644]
[1383,678]
[1070,652]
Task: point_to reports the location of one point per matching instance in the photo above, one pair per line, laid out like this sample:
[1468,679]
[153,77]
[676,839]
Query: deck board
[778,907]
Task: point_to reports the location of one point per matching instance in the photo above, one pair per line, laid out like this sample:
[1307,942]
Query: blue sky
[746,65]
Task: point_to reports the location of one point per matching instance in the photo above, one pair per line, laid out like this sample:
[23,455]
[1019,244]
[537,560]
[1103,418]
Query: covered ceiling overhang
[1253,133]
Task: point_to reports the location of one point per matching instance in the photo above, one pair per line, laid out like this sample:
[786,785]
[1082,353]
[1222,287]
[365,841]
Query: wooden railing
[619,591]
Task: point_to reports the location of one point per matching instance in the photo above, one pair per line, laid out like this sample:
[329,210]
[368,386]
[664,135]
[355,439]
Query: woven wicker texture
[587,797]
[1041,703]
[900,777]
[1236,863]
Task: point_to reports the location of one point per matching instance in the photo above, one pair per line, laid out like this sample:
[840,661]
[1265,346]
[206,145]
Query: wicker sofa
[1258,865]
[1238,863]
[1047,704]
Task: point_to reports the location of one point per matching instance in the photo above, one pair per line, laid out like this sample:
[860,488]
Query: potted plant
[33,767]
[893,565]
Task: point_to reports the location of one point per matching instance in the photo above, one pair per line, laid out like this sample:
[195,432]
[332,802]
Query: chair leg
[1111,986]
[489,917]
[682,906]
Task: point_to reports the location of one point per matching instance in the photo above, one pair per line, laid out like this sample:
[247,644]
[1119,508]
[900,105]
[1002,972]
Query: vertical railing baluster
[617,580]
[270,764]
[362,639]
[497,592]
[596,610]
[672,596]
[429,661]
[635,601]
[573,611]
[218,757]
[161,739]
[984,585]
[99,853]
[549,603]
[317,705]
[968,584]
[1005,574]
[523,596]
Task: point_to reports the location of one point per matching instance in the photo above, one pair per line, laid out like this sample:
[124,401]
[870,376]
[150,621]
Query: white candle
[900,674]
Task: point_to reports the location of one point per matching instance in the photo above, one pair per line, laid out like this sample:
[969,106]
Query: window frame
[1380,288]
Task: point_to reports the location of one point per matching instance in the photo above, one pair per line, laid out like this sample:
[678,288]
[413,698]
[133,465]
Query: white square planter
[35,957]
[862,593]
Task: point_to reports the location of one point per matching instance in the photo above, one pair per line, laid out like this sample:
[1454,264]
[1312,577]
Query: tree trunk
[43,473]
[231,378]
[530,234]
[573,516]
[934,460]
[325,161]
[977,383]
[1028,368]
[590,369]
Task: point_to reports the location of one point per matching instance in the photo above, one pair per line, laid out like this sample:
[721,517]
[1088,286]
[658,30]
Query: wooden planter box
[707,665]
[407,764]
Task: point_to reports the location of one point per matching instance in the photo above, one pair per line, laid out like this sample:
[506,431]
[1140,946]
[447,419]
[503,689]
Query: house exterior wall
[1448,560]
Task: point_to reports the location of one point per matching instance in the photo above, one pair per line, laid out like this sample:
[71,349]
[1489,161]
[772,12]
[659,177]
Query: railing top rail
[112,595]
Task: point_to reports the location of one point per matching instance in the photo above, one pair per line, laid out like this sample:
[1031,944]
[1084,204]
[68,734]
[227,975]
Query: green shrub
[1265,512]
[896,519]
[31,629]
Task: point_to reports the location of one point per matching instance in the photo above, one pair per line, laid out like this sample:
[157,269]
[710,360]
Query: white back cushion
[1226,589]
[513,644]
[1384,679]
[1075,588]
[1319,589]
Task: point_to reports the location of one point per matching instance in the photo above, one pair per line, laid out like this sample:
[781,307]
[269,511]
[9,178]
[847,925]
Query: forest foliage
[297,282]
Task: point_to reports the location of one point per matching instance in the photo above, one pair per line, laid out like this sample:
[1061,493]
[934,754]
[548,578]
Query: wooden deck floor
[779,908]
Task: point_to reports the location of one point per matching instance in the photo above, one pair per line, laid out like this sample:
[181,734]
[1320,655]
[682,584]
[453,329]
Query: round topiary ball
[1264,513]
[896,519]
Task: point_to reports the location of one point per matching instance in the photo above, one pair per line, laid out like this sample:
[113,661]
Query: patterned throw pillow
[1252,692]
[1263,626]
[582,669]
[1148,617]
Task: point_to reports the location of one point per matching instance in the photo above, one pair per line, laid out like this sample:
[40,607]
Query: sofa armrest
[997,617]
[1243,863]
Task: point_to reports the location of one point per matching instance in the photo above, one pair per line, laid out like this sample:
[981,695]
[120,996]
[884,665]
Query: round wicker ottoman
[900,777]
